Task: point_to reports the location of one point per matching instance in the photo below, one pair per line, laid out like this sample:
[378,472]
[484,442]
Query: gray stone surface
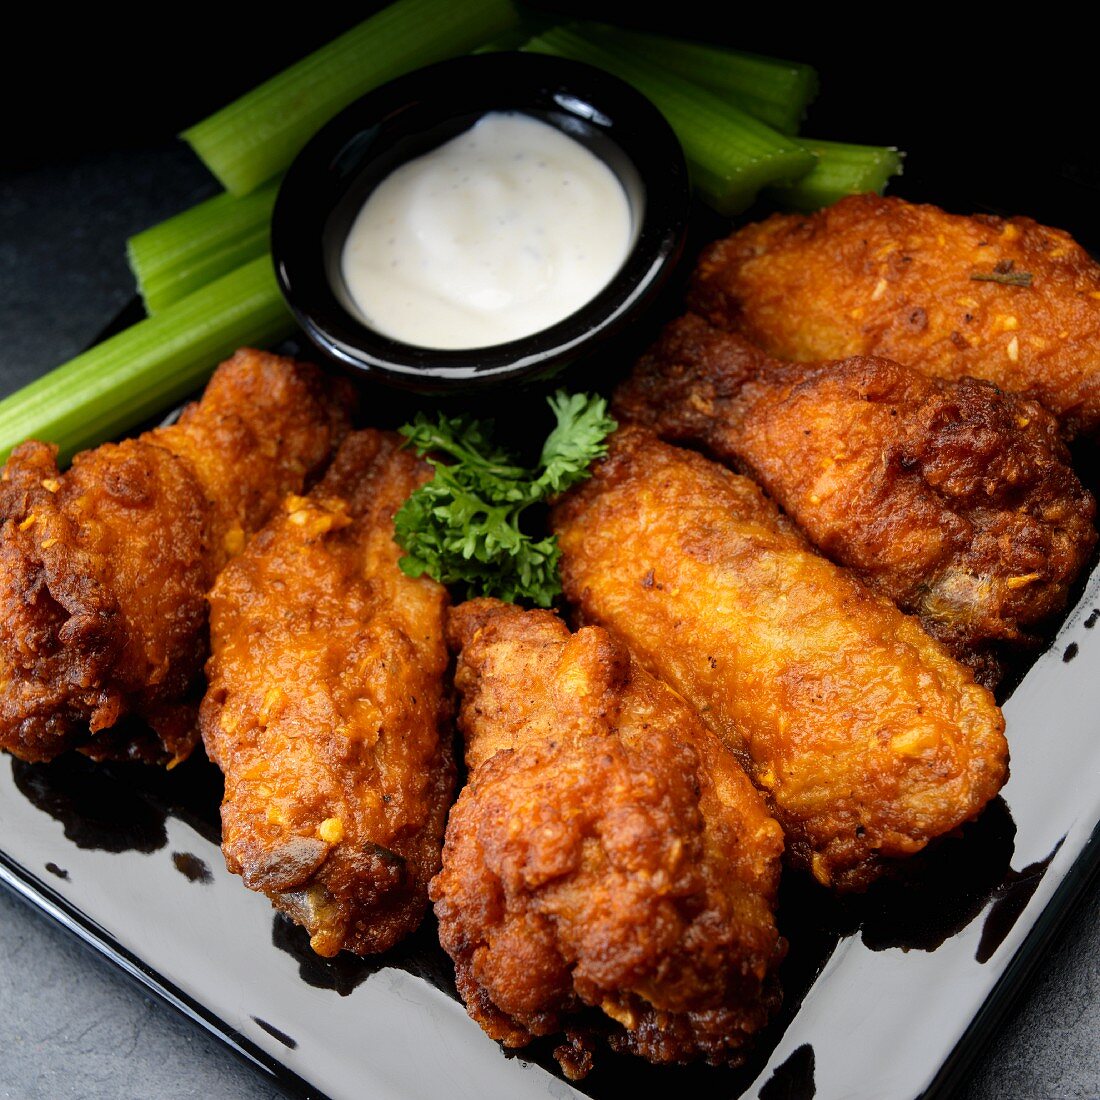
[75,1026]
[72,1026]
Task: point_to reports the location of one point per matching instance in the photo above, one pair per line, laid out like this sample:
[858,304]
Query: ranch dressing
[501,232]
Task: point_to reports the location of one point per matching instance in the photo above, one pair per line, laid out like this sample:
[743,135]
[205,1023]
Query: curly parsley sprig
[463,526]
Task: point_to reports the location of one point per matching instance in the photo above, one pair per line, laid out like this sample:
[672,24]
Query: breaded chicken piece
[608,853]
[327,709]
[104,569]
[869,739]
[881,276]
[954,499]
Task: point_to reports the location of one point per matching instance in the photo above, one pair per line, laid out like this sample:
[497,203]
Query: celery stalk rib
[731,154]
[254,138]
[180,255]
[529,24]
[776,92]
[145,369]
[840,170]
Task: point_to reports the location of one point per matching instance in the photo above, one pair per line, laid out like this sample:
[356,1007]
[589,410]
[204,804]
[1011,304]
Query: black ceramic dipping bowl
[327,184]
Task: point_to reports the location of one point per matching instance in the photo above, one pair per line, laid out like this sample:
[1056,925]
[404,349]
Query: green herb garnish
[463,527]
[1004,274]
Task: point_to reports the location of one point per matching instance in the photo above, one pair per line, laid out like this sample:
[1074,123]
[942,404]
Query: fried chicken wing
[868,738]
[1007,300]
[104,569]
[954,499]
[327,709]
[607,854]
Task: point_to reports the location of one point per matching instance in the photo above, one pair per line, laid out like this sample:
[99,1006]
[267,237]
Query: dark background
[993,117]
[996,108]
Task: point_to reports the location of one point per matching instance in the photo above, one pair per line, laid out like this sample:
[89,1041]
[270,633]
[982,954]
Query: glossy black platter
[888,995]
[885,995]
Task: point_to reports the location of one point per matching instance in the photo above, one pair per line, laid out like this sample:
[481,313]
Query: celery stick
[774,91]
[180,255]
[840,170]
[148,367]
[731,154]
[529,24]
[510,40]
[256,137]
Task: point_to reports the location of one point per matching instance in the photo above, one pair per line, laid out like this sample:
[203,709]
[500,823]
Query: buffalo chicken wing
[327,709]
[868,738]
[1004,299]
[954,499]
[104,569]
[609,867]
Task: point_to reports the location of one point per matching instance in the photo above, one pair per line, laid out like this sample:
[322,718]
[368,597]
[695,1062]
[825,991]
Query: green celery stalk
[147,368]
[529,24]
[731,154]
[774,91]
[840,170]
[254,138]
[180,255]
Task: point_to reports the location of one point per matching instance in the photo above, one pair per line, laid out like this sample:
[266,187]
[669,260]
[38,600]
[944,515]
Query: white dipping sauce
[501,232]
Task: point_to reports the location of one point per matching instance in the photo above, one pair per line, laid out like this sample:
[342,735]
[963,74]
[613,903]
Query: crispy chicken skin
[881,276]
[104,569]
[954,499]
[327,709]
[868,738]
[608,852]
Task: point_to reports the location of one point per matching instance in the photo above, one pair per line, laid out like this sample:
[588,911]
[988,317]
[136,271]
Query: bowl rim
[550,88]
